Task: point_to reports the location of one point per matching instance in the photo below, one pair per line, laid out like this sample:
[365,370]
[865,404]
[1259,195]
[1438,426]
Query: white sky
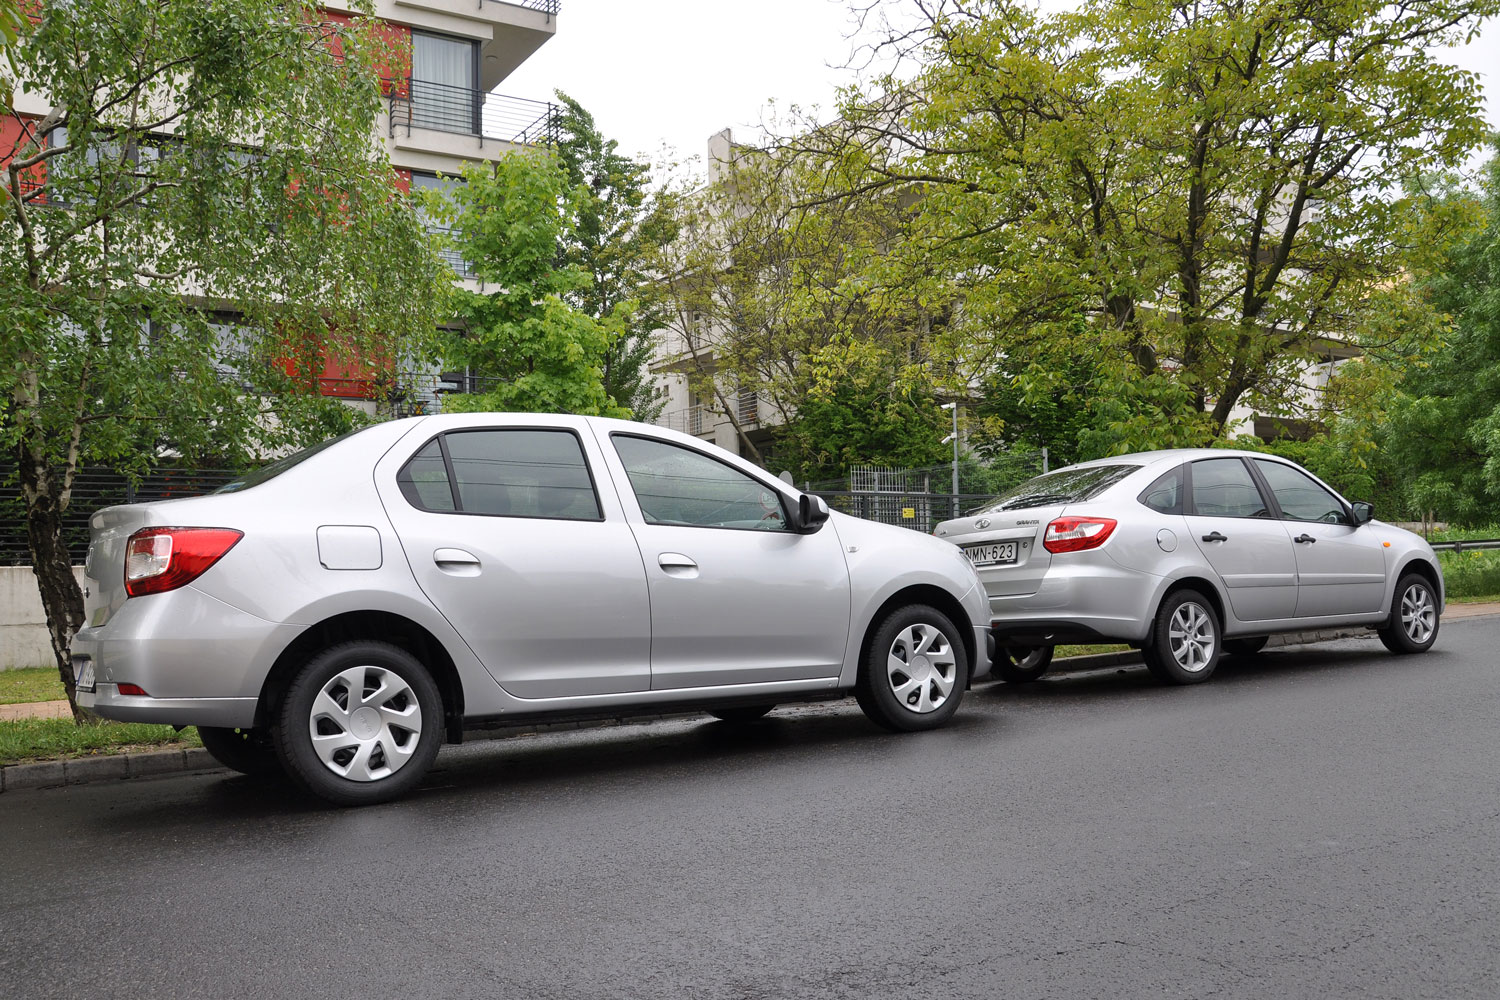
[670,73]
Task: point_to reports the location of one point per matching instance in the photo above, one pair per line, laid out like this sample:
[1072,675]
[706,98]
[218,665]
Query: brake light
[160,559]
[134,690]
[1074,534]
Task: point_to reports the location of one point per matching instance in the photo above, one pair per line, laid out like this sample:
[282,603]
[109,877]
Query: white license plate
[84,677]
[991,553]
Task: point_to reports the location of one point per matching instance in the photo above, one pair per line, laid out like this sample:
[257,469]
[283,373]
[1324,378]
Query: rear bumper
[1080,600]
[199,660]
[984,649]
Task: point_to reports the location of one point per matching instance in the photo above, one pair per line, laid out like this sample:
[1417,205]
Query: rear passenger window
[507,473]
[1222,487]
[1165,495]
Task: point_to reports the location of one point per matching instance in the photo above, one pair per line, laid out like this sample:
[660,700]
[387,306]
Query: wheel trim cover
[1192,638]
[365,723]
[1418,613]
[921,668]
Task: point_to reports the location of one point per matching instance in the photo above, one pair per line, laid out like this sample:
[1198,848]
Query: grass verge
[1089,650]
[28,740]
[28,684]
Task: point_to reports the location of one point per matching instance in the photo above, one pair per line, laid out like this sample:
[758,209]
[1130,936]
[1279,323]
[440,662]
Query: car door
[1232,524]
[1340,566]
[532,563]
[737,597]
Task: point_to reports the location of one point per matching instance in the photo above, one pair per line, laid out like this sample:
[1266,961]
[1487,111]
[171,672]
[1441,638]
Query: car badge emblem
[1024,524]
[983,522]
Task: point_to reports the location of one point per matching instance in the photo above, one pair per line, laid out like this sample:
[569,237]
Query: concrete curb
[102,767]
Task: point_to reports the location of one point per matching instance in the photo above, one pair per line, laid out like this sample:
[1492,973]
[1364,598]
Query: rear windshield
[1063,486]
[273,469]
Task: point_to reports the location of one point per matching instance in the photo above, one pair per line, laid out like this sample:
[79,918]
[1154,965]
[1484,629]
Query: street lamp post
[954,438]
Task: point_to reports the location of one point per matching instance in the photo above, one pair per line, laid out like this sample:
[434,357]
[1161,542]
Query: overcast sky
[669,73]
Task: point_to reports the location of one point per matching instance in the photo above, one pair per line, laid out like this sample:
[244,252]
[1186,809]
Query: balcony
[688,420]
[465,111]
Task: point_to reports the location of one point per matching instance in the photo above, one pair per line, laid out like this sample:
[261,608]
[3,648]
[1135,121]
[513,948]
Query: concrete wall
[23,625]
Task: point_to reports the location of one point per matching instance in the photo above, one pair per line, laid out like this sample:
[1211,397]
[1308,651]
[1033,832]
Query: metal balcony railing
[688,420]
[466,111]
[545,6]
[450,253]
[747,407]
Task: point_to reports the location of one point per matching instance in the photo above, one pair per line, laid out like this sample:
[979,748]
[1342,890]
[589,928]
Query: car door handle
[1304,537]
[456,561]
[1215,537]
[675,560]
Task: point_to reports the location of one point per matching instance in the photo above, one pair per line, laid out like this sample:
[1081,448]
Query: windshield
[273,469]
[1064,486]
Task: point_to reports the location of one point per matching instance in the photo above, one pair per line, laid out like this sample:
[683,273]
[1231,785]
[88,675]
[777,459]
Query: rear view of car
[1188,555]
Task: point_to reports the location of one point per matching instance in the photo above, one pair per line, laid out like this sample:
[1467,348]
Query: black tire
[248,751]
[1022,664]
[371,772]
[1413,624]
[1197,618]
[931,694]
[740,714]
[1246,647]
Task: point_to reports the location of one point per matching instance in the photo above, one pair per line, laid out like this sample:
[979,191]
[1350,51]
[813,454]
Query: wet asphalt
[1316,822]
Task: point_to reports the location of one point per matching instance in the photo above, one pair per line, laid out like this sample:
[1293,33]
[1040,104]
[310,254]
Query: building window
[444,83]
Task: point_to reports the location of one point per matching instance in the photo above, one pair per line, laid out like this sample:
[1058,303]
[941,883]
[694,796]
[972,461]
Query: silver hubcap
[1418,614]
[365,724]
[1192,638]
[921,668]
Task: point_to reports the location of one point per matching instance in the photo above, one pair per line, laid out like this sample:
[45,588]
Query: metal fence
[918,511]
[94,488]
[467,111]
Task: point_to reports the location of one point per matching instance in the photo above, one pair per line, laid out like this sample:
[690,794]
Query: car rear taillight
[1073,534]
[158,559]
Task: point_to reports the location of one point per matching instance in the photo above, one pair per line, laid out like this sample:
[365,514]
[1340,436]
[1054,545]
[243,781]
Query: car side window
[1299,497]
[679,486]
[1165,495]
[506,473]
[1223,487]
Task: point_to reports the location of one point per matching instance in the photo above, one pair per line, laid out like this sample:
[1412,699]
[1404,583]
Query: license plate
[991,553]
[83,675]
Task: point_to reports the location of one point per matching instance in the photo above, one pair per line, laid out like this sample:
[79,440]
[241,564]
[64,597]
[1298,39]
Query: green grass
[1089,650]
[50,739]
[30,684]
[1471,576]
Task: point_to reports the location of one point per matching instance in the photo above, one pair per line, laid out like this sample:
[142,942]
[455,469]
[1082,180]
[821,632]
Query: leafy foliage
[543,353]
[203,156]
[618,227]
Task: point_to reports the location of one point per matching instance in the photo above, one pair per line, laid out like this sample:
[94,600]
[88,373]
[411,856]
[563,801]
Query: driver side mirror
[812,511]
[1363,512]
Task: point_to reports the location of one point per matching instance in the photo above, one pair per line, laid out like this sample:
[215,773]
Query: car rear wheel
[1246,647]
[1413,625]
[915,672]
[248,751]
[361,723]
[1185,642]
[1022,664]
[740,714]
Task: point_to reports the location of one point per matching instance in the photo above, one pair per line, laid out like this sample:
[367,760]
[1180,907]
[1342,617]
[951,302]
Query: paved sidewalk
[36,710]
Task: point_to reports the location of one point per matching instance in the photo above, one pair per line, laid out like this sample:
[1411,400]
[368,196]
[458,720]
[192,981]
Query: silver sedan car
[340,613]
[1187,555]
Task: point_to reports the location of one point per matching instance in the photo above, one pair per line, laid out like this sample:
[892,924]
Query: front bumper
[199,660]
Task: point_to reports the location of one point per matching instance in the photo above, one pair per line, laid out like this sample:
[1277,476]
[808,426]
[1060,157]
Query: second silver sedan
[1188,555]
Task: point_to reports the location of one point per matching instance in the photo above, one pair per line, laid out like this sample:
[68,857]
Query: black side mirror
[1363,512]
[812,511]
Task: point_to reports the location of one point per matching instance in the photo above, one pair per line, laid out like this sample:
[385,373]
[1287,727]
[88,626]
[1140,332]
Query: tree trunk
[62,599]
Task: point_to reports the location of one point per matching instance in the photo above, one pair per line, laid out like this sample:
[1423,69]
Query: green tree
[205,155]
[1441,432]
[1209,185]
[531,348]
[619,226]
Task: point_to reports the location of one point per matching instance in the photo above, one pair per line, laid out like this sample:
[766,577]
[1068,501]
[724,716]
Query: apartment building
[442,110]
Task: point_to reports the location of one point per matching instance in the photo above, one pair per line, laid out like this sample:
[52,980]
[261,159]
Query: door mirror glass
[812,511]
[1364,512]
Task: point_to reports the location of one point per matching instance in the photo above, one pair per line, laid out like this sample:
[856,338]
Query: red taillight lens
[158,559]
[1073,534]
[134,690]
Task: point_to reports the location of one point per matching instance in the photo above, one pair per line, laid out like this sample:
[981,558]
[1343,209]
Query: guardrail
[466,111]
[1464,544]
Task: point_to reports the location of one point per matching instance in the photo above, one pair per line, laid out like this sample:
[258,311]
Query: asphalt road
[1318,822]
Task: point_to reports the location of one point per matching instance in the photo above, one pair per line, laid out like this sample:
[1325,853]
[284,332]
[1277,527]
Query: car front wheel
[361,723]
[1022,664]
[1185,639]
[915,672]
[1413,625]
